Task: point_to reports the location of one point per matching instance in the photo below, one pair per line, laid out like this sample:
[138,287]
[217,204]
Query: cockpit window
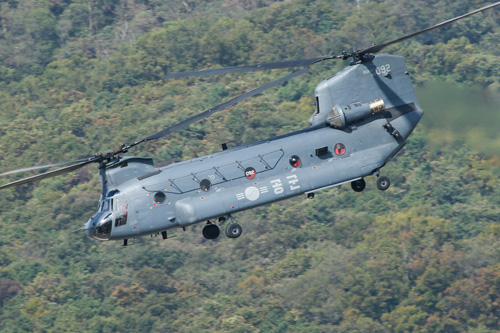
[103,228]
[112,193]
[121,219]
[120,209]
[106,205]
[317,105]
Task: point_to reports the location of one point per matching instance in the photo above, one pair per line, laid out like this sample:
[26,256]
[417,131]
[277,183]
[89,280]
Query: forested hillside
[79,77]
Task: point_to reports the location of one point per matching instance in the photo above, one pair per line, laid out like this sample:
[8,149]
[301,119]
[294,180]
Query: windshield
[113,213]
[106,205]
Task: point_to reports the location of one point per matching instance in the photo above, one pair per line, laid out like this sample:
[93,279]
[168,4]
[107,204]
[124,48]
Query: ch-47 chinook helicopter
[363,116]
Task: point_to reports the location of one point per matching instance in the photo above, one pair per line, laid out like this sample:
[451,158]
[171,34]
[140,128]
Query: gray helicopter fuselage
[349,139]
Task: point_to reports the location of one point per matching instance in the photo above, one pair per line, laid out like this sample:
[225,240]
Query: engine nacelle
[340,117]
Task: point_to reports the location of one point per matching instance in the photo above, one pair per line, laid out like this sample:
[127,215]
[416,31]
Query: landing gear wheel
[233,230]
[211,231]
[383,183]
[358,185]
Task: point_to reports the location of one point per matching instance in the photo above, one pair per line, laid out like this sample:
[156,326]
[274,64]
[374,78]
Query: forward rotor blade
[249,68]
[379,47]
[33,168]
[220,107]
[49,174]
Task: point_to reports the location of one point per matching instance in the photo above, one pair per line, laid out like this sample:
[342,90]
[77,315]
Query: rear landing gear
[358,185]
[383,183]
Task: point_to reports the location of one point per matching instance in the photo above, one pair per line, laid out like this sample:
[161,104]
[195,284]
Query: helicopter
[363,117]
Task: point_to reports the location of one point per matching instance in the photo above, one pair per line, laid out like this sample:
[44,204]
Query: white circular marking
[252,193]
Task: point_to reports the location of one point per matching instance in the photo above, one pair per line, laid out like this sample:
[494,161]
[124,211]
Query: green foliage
[79,77]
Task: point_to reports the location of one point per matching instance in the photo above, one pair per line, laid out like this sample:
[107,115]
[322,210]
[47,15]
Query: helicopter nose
[99,226]
[89,227]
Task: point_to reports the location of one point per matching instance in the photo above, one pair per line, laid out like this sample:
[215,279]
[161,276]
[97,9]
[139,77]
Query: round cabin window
[205,185]
[250,173]
[160,197]
[295,161]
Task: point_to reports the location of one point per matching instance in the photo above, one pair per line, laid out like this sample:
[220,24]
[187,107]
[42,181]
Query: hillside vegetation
[79,77]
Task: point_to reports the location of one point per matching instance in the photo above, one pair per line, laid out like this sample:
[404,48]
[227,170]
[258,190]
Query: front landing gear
[233,230]
[211,231]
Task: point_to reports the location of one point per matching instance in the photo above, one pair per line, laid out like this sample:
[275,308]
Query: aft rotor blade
[379,47]
[33,168]
[249,68]
[220,107]
[48,174]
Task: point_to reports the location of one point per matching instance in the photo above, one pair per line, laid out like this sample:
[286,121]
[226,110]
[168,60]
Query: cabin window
[321,151]
[294,161]
[250,173]
[160,197]
[205,185]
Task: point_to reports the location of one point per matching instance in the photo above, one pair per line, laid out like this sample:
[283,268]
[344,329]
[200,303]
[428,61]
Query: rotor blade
[310,61]
[220,107]
[379,47]
[249,68]
[42,167]
[49,174]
